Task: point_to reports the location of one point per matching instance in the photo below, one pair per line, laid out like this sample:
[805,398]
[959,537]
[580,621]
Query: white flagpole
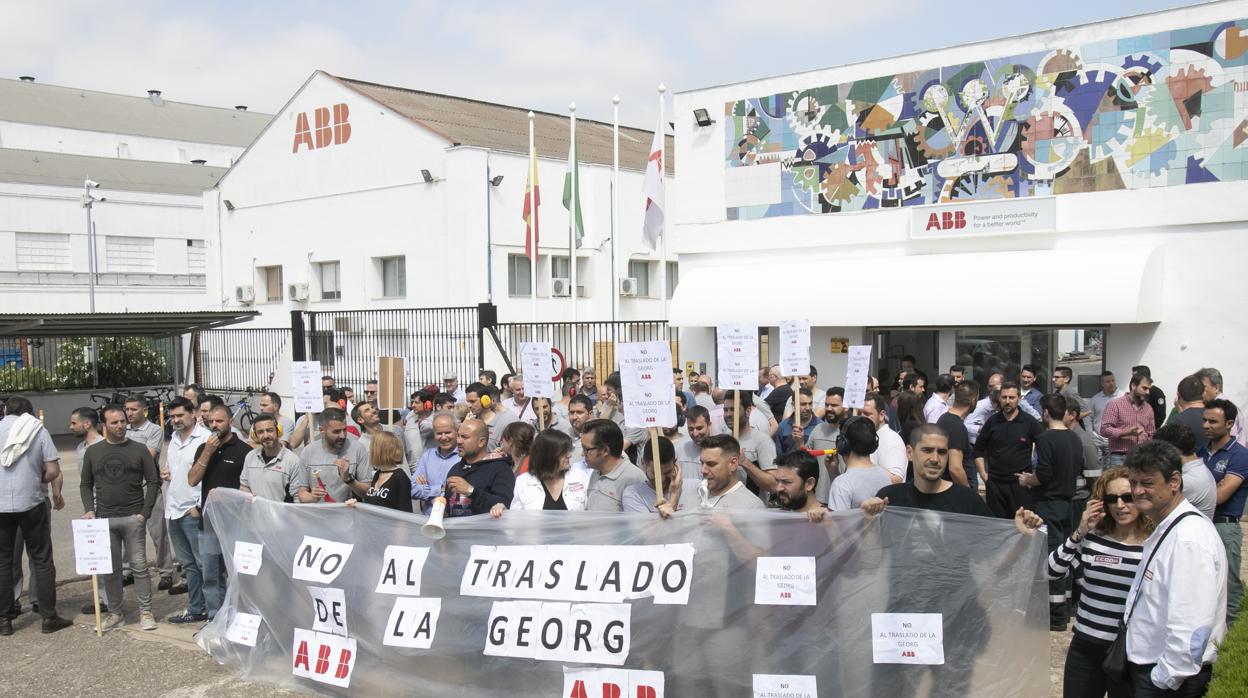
[573,210]
[615,206]
[666,213]
[533,224]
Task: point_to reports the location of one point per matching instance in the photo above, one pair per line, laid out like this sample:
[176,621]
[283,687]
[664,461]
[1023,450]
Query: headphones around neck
[842,437]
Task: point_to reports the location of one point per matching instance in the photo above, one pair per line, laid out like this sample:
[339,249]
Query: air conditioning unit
[298,292]
[560,287]
[628,286]
[349,323]
[245,294]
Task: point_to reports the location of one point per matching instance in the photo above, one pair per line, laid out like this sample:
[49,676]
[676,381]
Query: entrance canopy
[28,325]
[1030,287]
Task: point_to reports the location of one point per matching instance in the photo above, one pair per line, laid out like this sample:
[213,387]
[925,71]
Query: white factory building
[359,195]
[1075,196]
[152,158]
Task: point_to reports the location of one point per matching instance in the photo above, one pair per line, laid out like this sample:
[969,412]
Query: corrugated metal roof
[118,324]
[505,128]
[59,169]
[70,107]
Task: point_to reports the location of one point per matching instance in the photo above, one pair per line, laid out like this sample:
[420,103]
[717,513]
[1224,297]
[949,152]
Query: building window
[1082,350]
[129,254]
[272,280]
[123,151]
[394,277]
[327,273]
[43,252]
[639,269]
[196,257]
[519,278]
[322,342]
[559,268]
[673,278]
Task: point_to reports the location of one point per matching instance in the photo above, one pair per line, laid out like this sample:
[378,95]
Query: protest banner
[856,374]
[537,370]
[359,602]
[93,555]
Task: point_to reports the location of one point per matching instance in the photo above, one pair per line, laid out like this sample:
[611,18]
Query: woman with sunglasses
[1107,546]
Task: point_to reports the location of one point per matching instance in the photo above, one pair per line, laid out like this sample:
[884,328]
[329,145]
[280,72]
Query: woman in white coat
[550,484]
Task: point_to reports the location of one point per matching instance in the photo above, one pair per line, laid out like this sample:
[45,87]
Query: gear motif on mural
[1052,139]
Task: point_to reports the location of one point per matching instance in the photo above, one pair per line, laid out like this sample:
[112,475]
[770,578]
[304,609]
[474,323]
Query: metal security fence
[430,340]
[64,363]
[232,360]
[584,344]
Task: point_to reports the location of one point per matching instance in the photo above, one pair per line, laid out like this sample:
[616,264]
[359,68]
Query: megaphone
[433,526]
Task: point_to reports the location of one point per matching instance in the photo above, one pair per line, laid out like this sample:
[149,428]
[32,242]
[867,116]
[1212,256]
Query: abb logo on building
[946,220]
[327,131]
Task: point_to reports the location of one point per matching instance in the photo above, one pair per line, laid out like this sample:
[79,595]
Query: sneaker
[89,609]
[6,626]
[147,621]
[112,621]
[177,589]
[55,623]
[165,583]
[187,617]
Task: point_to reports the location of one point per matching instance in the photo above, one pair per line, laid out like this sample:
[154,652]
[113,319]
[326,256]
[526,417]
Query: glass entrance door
[892,346]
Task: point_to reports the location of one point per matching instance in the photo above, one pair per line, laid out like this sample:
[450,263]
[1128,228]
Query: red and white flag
[653,189]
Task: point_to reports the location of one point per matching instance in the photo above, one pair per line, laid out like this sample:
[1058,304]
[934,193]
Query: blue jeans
[1116,459]
[184,535]
[213,569]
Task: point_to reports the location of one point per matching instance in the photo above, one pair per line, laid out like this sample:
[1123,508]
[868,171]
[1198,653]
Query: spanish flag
[532,200]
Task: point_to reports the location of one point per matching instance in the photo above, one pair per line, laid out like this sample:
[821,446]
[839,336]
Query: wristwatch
[471,489]
[349,478]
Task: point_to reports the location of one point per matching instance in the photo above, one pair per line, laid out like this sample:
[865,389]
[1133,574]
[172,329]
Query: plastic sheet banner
[580,604]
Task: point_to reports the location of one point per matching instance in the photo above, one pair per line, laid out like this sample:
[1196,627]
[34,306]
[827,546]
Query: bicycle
[241,412]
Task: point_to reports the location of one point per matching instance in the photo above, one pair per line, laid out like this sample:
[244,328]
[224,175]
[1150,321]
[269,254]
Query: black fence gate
[582,344]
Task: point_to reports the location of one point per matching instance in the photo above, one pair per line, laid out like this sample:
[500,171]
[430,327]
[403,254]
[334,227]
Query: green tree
[124,361]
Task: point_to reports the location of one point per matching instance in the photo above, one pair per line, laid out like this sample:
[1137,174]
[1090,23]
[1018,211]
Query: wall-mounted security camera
[92,184]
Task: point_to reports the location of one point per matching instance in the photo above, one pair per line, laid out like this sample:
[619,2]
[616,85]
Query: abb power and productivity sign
[1031,215]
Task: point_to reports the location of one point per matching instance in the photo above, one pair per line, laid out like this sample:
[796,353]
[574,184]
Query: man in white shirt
[689,451]
[891,453]
[450,384]
[757,450]
[1109,391]
[938,403]
[518,405]
[182,507]
[1180,618]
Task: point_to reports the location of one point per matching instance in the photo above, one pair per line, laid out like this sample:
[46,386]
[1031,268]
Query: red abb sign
[946,220]
[329,128]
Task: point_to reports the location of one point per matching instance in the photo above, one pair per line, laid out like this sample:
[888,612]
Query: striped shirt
[1108,568]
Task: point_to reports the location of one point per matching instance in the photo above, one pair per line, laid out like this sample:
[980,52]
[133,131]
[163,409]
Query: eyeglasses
[1115,498]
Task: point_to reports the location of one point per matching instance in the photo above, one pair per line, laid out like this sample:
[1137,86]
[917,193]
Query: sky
[537,55]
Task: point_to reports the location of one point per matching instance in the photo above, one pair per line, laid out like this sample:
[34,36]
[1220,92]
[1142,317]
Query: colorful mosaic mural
[1149,111]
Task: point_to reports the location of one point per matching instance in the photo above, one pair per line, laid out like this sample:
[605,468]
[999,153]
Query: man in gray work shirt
[339,458]
[120,483]
[610,472]
[139,428]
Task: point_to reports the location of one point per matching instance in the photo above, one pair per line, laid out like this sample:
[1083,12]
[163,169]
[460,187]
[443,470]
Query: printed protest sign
[306,380]
[646,380]
[738,357]
[856,375]
[794,347]
[536,367]
[93,554]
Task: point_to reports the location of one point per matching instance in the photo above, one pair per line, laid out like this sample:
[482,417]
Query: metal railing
[66,363]
[594,344]
[233,359]
[430,340]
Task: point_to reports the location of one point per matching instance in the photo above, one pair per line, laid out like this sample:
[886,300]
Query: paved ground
[165,662]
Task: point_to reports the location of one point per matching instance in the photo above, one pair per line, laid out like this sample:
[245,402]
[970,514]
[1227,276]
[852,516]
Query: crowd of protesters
[1140,506]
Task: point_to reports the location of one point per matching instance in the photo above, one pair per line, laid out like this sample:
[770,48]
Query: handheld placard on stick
[161,412]
[654,461]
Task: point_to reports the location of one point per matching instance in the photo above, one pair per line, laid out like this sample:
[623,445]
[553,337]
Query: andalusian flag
[532,200]
[572,193]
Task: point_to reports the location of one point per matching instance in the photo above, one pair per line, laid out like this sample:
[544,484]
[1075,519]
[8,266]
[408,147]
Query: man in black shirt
[1059,460]
[1191,404]
[477,482]
[218,463]
[961,454]
[1156,398]
[1004,449]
